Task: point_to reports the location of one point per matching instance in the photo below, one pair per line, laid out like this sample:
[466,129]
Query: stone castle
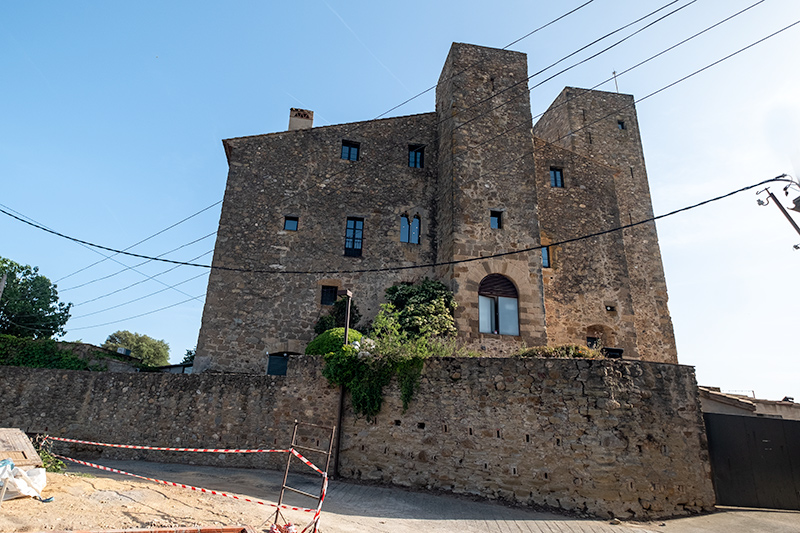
[473,195]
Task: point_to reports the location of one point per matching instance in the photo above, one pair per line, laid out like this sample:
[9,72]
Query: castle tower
[603,128]
[486,196]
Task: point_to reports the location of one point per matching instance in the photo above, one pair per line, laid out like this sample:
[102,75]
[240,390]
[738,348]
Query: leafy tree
[29,306]
[188,357]
[423,308]
[152,352]
[335,319]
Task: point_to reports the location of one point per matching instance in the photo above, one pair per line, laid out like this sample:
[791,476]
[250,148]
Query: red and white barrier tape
[133,447]
[207,491]
[306,461]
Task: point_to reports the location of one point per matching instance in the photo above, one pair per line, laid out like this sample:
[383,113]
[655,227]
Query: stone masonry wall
[301,174]
[623,438]
[607,437]
[170,410]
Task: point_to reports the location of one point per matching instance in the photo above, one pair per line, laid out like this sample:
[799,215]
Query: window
[290,223]
[496,219]
[497,306]
[354,237]
[621,124]
[409,231]
[416,155]
[329,295]
[546,257]
[350,150]
[592,342]
[556,177]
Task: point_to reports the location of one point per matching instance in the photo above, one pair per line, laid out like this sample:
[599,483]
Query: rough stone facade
[483,158]
[621,438]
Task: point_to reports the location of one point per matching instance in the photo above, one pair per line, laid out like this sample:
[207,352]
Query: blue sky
[113,115]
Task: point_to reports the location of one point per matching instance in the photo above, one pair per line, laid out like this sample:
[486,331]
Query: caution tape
[161,448]
[207,491]
[306,461]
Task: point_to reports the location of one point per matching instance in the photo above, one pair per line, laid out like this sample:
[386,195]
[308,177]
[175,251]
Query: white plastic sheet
[17,483]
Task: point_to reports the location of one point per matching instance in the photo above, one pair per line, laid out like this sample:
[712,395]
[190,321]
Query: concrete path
[353,507]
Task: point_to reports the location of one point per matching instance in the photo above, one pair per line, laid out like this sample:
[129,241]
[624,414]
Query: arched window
[498,307]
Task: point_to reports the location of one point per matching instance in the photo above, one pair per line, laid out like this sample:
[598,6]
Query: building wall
[300,173]
[588,123]
[606,437]
[480,156]
[483,93]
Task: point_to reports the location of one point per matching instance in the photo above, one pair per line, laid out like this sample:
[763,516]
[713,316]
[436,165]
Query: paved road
[353,507]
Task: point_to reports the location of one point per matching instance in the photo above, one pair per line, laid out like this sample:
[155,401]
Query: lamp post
[349,295]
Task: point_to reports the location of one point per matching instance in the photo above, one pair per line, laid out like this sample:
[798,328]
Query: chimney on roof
[300,119]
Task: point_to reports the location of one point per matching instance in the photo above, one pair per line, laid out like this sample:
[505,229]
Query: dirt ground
[102,503]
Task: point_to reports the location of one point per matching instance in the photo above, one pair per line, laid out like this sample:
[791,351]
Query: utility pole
[784,211]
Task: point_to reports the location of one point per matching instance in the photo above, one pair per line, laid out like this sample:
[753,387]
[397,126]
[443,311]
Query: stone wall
[606,437]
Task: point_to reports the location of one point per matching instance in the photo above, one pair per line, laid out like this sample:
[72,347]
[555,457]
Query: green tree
[29,306]
[423,308]
[335,318]
[152,352]
[188,357]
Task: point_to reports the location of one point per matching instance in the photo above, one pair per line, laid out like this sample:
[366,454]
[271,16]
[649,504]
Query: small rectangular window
[592,342]
[546,257]
[350,150]
[621,124]
[329,295]
[290,223]
[354,237]
[277,364]
[496,219]
[416,155]
[556,177]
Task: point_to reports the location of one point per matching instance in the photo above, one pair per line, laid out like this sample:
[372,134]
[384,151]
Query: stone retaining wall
[623,438]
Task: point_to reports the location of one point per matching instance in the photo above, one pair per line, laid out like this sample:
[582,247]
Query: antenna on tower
[614,73]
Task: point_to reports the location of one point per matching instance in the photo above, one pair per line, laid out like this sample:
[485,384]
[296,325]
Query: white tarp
[17,483]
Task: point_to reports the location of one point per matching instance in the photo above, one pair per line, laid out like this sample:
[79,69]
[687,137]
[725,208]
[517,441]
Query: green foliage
[335,318]
[424,308]
[42,353]
[188,357]
[152,352]
[565,351]
[50,462]
[331,341]
[29,306]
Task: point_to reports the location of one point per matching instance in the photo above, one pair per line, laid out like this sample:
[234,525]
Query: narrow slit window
[350,150]
[290,223]
[416,155]
[621,124]
[557,177]
[546,258]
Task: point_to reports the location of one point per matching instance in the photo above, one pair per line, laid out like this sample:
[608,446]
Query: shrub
[564,351]
[42,353]
[335,318]
[330,341]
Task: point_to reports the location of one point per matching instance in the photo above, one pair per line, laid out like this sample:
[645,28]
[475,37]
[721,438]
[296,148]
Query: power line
[140,315]
[143,240]
[781,178]
[138,265]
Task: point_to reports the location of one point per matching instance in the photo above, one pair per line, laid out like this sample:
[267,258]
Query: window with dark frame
[329,294]
[350,150]
[498,307]
[290,223]
[621,124]
[557,177]
[546,257]
[496,219]
[416,155]
[354,237]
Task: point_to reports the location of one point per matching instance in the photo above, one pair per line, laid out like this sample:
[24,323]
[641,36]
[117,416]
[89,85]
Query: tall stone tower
[603,127]
[486,192]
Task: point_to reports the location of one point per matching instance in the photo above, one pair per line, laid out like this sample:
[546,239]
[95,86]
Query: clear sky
[112,116]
